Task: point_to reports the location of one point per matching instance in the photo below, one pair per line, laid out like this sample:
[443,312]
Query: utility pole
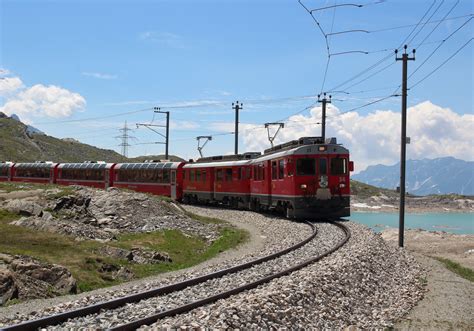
[324,101]
[237,106]
[267,126]
[208,138]
[403,144]
[167,127]
[124,136]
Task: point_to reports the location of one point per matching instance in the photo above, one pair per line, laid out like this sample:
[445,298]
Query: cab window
[323,166]
[305,167]
[281,169]
[338,166]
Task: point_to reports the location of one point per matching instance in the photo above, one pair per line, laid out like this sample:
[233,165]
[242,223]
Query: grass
[19,186]
[82,259]
[458,269]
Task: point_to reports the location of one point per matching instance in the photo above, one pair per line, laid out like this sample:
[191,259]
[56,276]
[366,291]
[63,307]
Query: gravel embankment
[267,235]
[366,283]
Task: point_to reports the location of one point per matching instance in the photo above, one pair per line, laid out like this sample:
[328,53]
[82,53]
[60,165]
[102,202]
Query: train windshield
[305,167]
[338,166]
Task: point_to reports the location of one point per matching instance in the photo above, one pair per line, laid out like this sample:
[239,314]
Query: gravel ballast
[366,283]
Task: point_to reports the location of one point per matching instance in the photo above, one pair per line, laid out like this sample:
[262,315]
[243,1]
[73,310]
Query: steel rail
[223,295]
[115,303]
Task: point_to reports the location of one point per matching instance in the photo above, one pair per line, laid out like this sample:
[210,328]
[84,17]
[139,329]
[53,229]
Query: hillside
[20,144]
[428,176]
[172,158]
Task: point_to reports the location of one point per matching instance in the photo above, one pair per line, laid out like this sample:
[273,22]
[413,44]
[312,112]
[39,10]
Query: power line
[442,64]
[441,44]
[429,19]
[431,32]
[426,22]
[96,118]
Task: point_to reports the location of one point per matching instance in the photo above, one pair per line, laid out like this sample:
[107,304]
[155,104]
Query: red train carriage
[160,178]
[5,171]
[224,179]
[305,178]
[38,172]
[94,174]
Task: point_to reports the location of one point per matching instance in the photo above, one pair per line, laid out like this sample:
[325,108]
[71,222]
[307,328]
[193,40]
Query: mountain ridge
[443,175]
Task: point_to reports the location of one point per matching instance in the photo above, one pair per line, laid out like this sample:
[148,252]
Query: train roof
[148,165]
[86,165]
[217,164]
[6,164]
[304,146]
[37,165]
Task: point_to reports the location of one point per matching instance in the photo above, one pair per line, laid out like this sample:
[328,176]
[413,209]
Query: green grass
[458,269]
[82,259]
[19,186]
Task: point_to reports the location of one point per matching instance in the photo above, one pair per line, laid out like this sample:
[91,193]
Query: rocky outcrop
[22,277]
[104,214]
[135,255]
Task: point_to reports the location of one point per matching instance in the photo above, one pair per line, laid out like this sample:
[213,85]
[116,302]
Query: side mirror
[351,166]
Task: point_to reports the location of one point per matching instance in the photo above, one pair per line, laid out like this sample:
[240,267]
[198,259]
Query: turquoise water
[459,223]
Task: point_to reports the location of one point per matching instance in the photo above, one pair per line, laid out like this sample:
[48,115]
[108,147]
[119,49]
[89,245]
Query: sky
[80,69]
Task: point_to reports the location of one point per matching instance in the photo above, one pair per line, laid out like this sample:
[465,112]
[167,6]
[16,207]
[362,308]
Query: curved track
[96,308]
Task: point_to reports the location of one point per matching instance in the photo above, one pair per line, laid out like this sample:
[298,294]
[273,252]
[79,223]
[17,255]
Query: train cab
[90,173]
[37,172]
[5,171]
[305,178]
[160,178]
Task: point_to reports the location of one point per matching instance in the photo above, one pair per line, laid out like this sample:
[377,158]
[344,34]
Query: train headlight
[342,185]
[303,186]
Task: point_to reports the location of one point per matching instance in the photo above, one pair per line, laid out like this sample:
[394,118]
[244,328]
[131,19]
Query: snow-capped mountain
[428,176]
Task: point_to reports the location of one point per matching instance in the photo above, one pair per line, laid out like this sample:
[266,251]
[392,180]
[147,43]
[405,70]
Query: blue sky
[122,56]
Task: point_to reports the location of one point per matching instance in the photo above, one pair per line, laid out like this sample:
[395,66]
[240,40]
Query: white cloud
[9,85]
[375,138]
[164,38]
[99,75]
[40,100]
[4,72]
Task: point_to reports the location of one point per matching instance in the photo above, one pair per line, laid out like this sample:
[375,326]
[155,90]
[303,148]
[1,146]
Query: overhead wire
[439,46]
[441,65]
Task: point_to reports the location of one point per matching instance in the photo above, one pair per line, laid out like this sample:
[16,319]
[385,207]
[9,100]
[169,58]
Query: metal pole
[324,101]
[237,107]
[403,146]
[167,133]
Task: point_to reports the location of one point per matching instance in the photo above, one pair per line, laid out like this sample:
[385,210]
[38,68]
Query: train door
[107,178]
[173,184]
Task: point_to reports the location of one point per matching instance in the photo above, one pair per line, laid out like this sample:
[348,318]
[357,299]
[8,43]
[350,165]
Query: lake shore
[447,303]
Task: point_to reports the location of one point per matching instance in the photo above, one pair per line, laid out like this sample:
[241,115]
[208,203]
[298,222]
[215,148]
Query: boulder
[8,286]
[24,207]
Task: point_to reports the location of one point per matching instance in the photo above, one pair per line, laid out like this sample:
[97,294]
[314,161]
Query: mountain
[20,143]
[23,143]
[428,176]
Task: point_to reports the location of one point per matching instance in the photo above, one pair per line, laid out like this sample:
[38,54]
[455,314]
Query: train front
[321,181]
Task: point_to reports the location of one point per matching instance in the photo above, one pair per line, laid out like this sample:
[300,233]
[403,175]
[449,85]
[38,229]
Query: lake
[460,223]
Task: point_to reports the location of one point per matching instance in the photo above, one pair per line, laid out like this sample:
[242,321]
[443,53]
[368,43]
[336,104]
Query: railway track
[57,319]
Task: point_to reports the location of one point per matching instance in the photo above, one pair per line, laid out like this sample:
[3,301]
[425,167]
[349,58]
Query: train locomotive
[304,178]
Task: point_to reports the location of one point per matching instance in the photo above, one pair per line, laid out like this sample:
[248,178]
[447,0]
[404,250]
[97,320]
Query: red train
[304,178]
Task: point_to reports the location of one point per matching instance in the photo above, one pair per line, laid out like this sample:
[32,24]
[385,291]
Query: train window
[338,166]
[191,175]
[3,171]
[228,174]
[203,176]
[255,172]
[248,170]
[198,175]
[166,176]
[261,171]
[281,169]
[240,171]
[219,175]
[274,170]
[305,167]
[159,176]
[323,166]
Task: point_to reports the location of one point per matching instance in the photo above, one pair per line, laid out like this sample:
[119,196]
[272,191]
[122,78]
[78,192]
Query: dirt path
[448,302]
[447,305]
